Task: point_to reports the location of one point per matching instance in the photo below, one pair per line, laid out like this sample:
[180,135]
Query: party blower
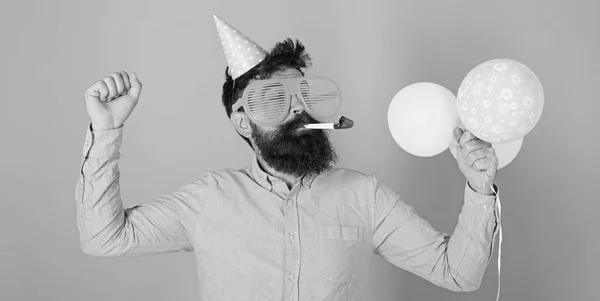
[343,123]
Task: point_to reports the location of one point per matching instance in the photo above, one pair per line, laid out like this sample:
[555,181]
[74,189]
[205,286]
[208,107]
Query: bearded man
[292,225]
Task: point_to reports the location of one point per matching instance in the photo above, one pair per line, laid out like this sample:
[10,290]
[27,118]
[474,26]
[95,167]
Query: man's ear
[241,122]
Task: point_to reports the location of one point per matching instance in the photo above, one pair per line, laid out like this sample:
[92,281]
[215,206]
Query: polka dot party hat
[241,53]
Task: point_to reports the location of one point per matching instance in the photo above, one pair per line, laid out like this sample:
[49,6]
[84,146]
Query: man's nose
[297,106]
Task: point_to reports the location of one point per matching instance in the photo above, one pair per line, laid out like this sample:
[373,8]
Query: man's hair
[285,54]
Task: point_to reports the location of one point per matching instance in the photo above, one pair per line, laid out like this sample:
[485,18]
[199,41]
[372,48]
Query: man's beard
[297,153]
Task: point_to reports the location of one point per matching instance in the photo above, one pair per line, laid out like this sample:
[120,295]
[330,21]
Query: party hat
[241,53]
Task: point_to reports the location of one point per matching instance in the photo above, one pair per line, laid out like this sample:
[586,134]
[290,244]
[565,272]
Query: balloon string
[499,217]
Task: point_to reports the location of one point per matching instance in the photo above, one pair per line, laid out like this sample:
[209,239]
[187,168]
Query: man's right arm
[107,229]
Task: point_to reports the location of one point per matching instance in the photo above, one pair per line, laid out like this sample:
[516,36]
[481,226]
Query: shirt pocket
[339,252]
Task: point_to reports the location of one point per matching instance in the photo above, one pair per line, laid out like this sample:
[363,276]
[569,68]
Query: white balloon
[506,152]
[422,117]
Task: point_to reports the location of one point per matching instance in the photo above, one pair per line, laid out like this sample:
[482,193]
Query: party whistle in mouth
[343,123]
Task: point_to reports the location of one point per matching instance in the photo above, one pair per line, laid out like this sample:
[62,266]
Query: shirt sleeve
[456,262]
[107,229]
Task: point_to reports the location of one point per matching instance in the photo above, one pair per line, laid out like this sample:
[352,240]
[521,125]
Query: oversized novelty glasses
[267,102]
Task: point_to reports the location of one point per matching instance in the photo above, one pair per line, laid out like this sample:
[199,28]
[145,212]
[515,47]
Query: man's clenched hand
[476,158]
[110,101]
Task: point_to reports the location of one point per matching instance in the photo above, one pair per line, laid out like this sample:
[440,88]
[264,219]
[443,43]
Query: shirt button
[292,237]
[292,276]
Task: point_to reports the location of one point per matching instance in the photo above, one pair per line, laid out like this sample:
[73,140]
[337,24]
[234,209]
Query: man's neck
[289,180]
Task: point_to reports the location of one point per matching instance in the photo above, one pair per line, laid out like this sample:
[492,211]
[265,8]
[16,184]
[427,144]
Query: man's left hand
[476,158]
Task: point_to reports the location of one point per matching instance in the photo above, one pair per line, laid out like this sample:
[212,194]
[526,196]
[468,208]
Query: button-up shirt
[255,239]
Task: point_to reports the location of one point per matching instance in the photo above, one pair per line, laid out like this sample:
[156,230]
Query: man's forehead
[287,73]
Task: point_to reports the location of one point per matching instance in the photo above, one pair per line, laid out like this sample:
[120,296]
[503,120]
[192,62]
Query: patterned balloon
[500,100]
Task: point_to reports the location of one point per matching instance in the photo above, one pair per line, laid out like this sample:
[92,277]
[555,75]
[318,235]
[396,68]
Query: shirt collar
[264,179]
[308,180]
[259,175]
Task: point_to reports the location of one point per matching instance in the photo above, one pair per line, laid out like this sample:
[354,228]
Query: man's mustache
[298,122]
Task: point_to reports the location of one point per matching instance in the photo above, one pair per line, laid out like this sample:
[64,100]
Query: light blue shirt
[255,239]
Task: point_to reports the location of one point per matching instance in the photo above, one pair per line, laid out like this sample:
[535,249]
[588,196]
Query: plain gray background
[53,50]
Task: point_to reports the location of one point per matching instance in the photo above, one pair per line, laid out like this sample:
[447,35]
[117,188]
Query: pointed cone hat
[242,54]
